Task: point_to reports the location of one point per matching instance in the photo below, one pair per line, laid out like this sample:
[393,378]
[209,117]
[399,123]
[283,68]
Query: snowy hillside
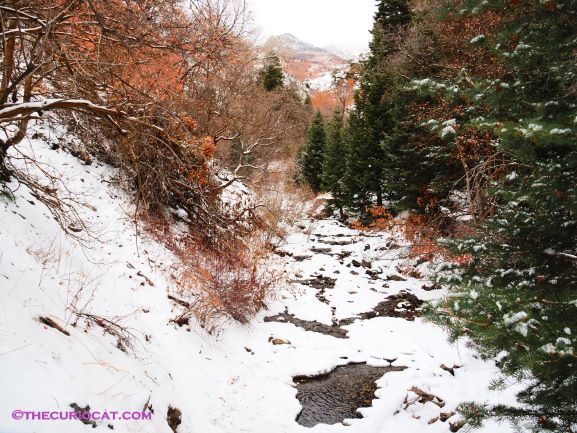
[90,325]
[290,41]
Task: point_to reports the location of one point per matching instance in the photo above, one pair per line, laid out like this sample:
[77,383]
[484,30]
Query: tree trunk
[4,172]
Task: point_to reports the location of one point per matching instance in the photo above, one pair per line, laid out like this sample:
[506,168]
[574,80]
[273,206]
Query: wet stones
[403,305]
[302,257]
[344,254]
[313,326]
[319,282]
[340,242]
[320,295]
[321,250]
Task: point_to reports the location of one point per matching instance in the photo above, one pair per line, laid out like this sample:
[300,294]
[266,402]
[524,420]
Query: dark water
[333,397]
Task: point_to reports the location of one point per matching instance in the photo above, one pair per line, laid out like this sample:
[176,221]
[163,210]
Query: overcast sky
[344,23]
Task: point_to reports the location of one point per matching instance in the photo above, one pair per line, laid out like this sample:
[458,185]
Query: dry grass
[216,283]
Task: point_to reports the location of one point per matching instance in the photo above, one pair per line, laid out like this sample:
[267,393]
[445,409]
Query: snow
[548,348]
[322,83]
[477,39]
[515,317]
[448,131]
[235,381]
[558,131]
[512,176]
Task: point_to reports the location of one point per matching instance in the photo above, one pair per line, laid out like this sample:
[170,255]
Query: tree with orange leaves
[128,67]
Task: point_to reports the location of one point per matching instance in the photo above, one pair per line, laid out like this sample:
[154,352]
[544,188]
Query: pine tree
[271,74]
[334,164]
[374,117]
[516,296]
[312,154]
[393,13]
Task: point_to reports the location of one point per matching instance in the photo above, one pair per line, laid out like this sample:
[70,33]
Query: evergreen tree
[271,74]
[393,13]
[312,154]
[334,164]
[374,117]
[516,296]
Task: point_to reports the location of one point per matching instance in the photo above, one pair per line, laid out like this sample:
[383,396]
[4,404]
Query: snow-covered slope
[291,42]
[236,381]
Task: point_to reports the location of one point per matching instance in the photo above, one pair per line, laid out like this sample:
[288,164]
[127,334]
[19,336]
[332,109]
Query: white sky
[343,23]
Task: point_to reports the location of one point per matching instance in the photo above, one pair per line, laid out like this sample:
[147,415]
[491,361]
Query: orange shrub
[215,284]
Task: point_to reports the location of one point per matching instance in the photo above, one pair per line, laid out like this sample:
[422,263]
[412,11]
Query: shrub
[216,283]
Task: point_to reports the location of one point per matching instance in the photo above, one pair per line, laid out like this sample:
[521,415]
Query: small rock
[457,425]
[395,277]
[444,416]
[354,273]
[173,418]
[279,341]
[302,258]
[366,264]
[320,250]
[82,410]
[450,369]
[356,264]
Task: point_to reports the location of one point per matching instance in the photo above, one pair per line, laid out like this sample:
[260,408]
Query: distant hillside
[315,69]
[288,41]
[303,60]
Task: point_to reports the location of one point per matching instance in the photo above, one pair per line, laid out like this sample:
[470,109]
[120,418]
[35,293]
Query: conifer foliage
[271,74]
[466,114]
[312,154]
[334,164]
[517,296]
[373,117]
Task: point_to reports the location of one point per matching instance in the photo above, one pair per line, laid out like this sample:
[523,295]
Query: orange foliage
[455,36]
[325,100]
[301,70]
[215,284]
[381,219]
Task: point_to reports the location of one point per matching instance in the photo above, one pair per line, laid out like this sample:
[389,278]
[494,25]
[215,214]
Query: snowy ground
[234,382]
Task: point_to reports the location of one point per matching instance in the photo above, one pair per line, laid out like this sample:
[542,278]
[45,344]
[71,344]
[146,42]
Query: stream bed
[335,396]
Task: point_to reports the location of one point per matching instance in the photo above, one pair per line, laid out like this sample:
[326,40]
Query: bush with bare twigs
[216,283]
